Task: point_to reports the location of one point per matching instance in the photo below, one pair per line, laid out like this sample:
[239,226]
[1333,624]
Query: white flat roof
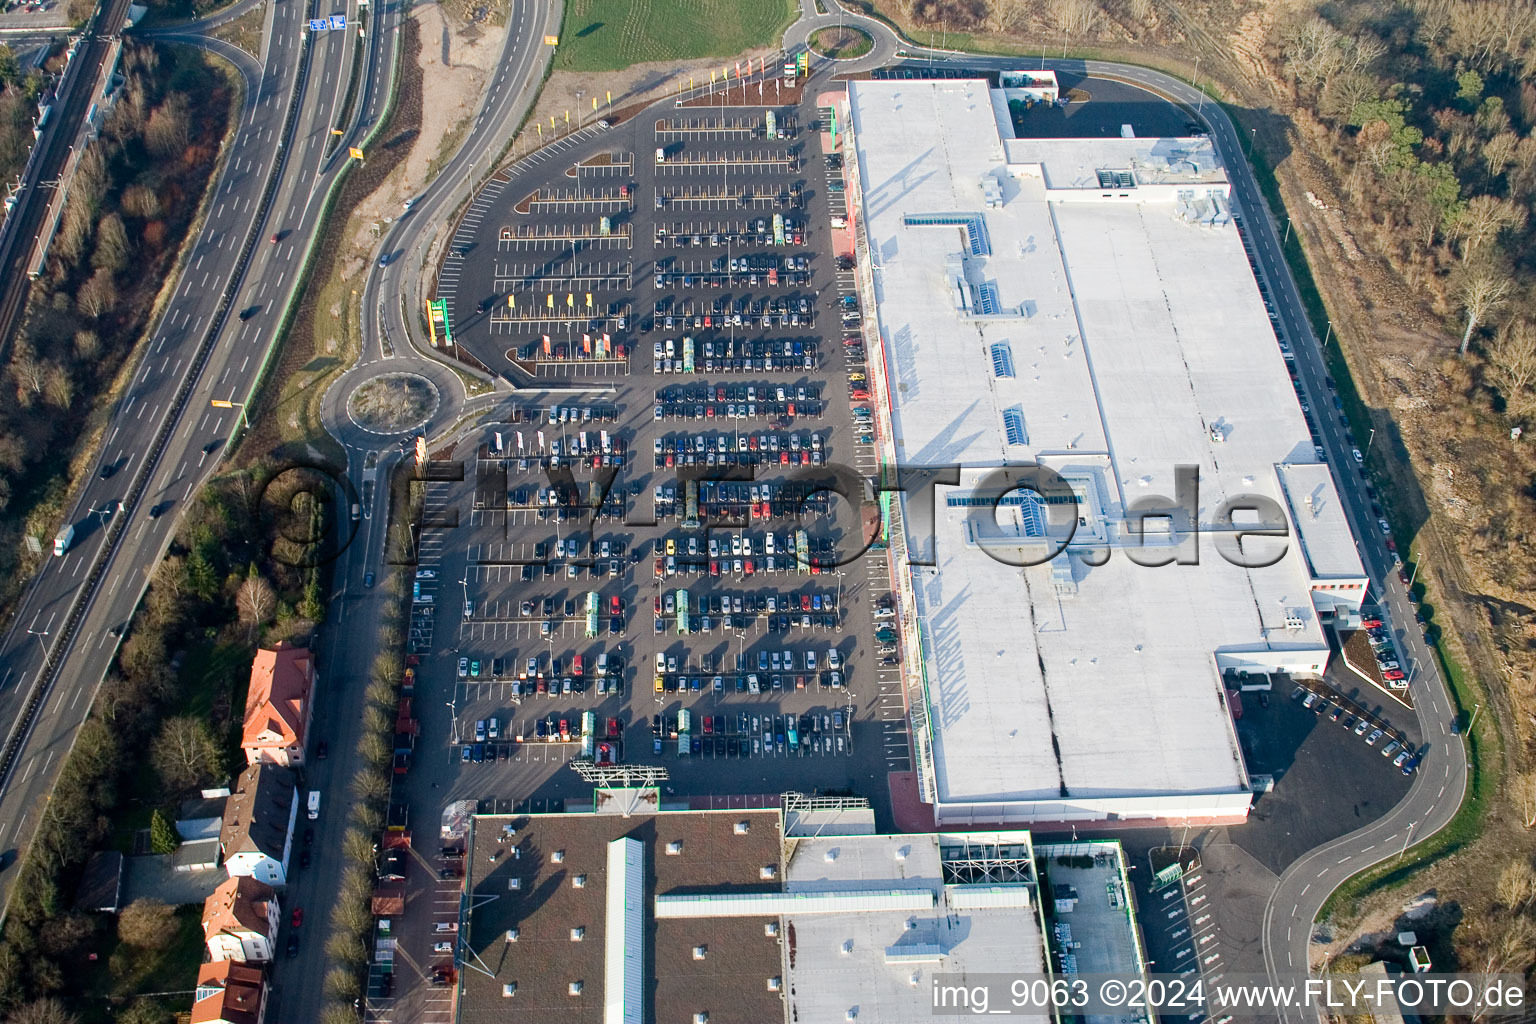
[868,959]
[1132,341]
[1318,512]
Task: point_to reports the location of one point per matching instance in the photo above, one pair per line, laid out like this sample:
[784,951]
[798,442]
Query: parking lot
[723,610]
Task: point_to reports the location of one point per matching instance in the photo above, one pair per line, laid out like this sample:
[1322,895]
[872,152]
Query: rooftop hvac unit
[831,854]
[579,882]
[558,856]
[743,827]
[577,934]
[574,988]
[511,934]
[674,848]
[699,952]
[775,983]
[769,871]
[771,929]
[509,990]
[514,884]
[702,1017]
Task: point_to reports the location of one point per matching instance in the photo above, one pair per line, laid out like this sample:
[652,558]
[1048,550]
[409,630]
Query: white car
[1386,527]
[463,668]
[1356,453]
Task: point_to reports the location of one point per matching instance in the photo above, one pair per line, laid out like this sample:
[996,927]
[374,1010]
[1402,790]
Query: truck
[588,733]
[683,738]
[314,804]
[63,539]
[406,729]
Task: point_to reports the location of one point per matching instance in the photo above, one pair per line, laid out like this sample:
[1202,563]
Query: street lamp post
[230,403]
[40,633]
[453,710]
[1328,334]
[1369,441]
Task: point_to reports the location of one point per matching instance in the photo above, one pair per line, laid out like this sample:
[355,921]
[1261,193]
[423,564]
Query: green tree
[310,605]
[162,834]
[1469,87]
[10,67]
[202,577]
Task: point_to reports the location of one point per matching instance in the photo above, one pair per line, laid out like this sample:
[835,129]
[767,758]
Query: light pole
[1287,233]
[453,709]
[1476,710]
[1369,441]
[40,633]
[1328,334]
[230,403]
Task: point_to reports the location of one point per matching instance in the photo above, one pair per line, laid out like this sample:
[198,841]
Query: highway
[164,440]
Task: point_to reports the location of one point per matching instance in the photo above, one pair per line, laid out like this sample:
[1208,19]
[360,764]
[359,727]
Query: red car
[709,725]
[565,728]
[805,602]
[747,567]
[784,458]
[616,604]
[297,920]
[714,567]
[576,665]
[658,604]
[1370,623]
[615,727]
[1393,674]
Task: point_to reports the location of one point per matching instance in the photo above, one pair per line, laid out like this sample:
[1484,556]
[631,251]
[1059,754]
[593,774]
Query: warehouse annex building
[1083,304]
[719,916]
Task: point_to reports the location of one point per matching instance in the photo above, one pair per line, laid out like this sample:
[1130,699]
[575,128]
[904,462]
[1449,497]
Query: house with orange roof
[230,992]
[240,920]
[279,706]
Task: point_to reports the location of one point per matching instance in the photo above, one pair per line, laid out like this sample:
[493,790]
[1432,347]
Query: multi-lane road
[164,438]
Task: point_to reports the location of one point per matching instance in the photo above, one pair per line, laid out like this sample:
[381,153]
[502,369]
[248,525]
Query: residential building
[229,992]
[240,920]
[279,706]
[257,835]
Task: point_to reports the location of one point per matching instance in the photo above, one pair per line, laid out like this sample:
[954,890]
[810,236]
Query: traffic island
[844,42]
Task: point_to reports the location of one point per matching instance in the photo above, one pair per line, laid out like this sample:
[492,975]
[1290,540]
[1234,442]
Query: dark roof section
[730,982]
[256,816]
[101,887]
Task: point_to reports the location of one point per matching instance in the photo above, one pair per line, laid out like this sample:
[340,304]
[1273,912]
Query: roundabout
[841,42]
[393,403]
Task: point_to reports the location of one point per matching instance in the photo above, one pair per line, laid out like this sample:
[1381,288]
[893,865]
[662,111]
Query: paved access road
[164,439]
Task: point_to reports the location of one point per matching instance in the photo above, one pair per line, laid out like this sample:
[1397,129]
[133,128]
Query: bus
[591,613]
[682,611]
[588,733]
[802,551]
[687,353]
[690,504]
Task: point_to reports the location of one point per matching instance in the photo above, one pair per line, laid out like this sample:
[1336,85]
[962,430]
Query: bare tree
[42,1011]
[1523,790]
[1517,885]
[140,201]
[185,753]
[1499,152]
[87,345]
[1482,219]
[98,295]
[1512,366]
[112,246]
[27,370]
[169,129]
[1482,291]
[147,923]
[255,602]
[58,386]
